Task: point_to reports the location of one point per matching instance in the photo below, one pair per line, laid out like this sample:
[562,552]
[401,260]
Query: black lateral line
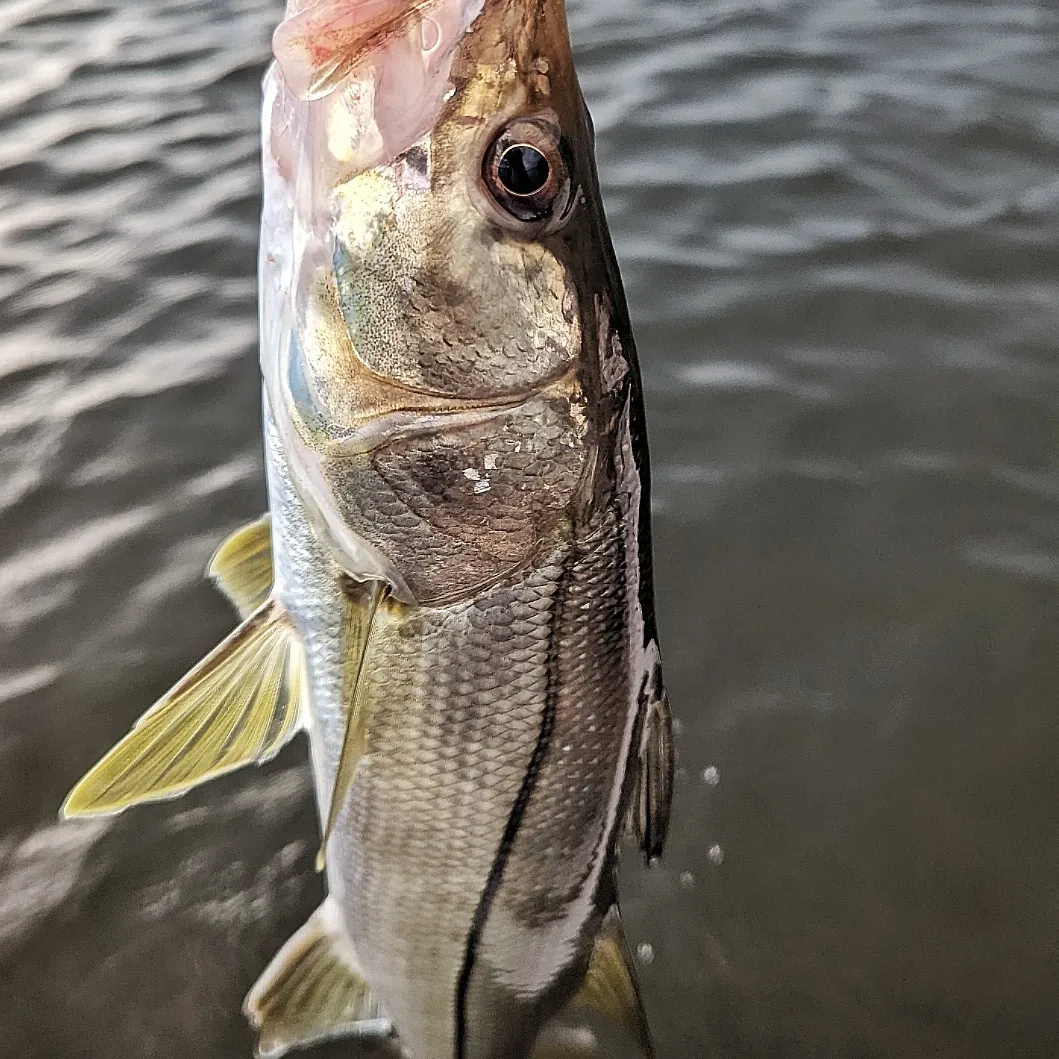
[514,822]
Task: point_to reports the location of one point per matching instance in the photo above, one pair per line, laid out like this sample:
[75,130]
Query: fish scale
[447,759]
[304,581]
[418,840]
[434,795]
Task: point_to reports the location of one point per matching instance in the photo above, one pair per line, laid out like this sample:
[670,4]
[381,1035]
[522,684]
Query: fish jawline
[402,424]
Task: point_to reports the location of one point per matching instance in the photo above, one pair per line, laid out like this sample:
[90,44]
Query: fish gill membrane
[370,141]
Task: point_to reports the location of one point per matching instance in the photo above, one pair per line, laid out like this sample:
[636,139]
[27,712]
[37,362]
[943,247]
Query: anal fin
[242,566]
[313,991]
[239,706]
[610,986]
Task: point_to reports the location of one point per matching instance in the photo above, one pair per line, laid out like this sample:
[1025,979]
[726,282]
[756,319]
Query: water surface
[838,227]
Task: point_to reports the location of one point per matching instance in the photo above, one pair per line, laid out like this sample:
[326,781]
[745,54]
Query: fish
[451,592]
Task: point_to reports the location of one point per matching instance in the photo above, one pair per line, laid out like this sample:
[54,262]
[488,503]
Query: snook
[453,591]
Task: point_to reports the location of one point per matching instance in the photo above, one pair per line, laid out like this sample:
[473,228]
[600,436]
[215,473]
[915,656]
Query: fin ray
[654,782]
[354,740]
[611,987]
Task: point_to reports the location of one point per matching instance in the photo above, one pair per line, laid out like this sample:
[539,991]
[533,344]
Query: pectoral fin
[242,566]
[313,990]
[654,782]
[239,706]
[363,604]
[610,986]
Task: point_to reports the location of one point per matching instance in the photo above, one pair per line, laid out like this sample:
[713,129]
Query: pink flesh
[400,52]
[317,33]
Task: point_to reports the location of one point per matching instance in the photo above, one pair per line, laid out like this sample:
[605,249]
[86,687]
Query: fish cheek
[461,509]
[440,302]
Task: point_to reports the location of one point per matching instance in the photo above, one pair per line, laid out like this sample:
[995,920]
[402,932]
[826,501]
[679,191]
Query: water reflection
[838,226]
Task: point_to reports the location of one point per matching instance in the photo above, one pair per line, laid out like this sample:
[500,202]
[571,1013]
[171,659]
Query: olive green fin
[362,601]
[654,779]
[242,566]
[610,986]
[313,990]
[239,706]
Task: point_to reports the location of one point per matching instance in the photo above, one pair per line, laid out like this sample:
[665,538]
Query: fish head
[448,254]
[444,271]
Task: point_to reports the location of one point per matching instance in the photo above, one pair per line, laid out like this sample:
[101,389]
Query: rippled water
[838,225]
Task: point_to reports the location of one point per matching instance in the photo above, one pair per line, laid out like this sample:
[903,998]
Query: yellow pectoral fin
[239,706]
[610,986]
[242,566]
[313,990]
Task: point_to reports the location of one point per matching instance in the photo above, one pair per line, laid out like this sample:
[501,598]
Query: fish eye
[526,173]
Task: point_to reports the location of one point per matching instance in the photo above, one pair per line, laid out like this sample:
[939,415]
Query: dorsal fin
[239,706]
[242,566]
[610,986]
[313,990]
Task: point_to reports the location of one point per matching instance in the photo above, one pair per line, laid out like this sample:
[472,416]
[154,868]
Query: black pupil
[523,170]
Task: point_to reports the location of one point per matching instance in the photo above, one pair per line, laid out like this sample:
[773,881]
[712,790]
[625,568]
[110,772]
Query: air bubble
[687,880]
[645,952]
[716,854]
[711,776]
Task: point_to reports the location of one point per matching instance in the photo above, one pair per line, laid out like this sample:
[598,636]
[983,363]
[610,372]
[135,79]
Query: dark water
[838,224]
